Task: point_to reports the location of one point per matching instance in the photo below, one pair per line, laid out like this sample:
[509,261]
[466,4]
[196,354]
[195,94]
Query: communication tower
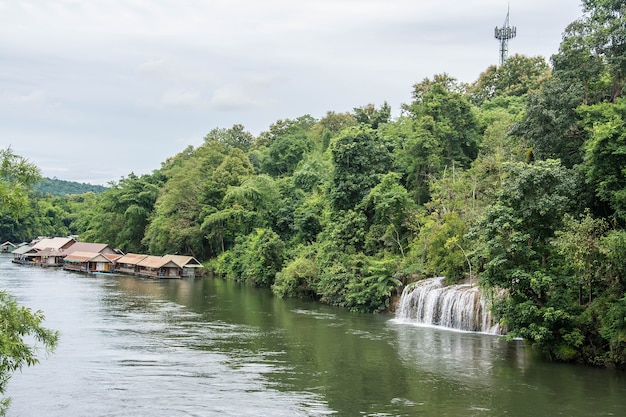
[503,34]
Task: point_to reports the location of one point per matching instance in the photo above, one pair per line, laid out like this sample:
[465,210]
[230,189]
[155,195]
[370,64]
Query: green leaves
[605,153]
[360,159]
[18,324]
[17,175]
[255,259]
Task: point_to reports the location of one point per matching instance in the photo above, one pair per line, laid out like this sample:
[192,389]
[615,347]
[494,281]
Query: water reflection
[209,347]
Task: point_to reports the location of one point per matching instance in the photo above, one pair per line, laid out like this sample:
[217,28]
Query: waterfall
[460,307]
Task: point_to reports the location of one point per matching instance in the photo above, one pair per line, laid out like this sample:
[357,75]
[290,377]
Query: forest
[517,180]
[61,188]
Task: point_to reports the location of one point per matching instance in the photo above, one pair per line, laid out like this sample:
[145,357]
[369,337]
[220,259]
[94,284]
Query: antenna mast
[503,34]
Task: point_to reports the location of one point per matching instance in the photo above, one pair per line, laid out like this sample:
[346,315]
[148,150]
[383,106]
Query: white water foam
[461,307]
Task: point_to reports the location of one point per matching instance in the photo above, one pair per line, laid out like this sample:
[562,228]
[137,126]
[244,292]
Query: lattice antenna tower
[503,34]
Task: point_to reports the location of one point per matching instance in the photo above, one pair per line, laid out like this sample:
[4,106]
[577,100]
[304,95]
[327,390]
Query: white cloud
[232,97]
[182,99]
[147,72]
[158,66]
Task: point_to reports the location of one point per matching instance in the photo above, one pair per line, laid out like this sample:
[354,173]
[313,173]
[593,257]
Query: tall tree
[550,123]
[449,116]
[605,22]
[235,137]
[19,326]
[17,175]
[360,159]
[605,153]
[372,117]
[123,212]
[516,77]
[517,231]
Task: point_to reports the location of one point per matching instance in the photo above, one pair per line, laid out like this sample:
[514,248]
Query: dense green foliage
[20,328]
[517,180]
[61,188]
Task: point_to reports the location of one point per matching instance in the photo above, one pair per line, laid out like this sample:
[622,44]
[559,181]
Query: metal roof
[184,261]
[22,250]
[88,247]
[155,262]
[54,243]
[79,256]
[131,258]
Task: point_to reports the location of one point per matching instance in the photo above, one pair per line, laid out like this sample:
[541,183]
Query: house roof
[112,256]
[184,261]
[51,252]
[53,243]
[155,262]
[89,247]
[7,243]
[131,258]
[23,250]
[79,256]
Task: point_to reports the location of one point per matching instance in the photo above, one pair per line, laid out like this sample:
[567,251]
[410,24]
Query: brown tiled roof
[23,250]
[154,262]
[112,256]
[131,258]
[79,256]
[88,247]
[184,261]
[51,252]
[53,243]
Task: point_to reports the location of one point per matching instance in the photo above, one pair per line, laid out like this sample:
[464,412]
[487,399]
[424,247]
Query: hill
[62,188]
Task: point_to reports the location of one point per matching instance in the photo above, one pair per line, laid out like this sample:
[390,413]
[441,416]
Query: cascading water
[460,307]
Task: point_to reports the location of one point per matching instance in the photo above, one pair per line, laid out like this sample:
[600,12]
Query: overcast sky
[92,90]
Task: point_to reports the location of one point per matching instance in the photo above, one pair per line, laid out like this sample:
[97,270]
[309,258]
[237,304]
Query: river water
[207,347]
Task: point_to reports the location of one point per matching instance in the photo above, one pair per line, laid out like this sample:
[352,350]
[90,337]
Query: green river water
[208,347]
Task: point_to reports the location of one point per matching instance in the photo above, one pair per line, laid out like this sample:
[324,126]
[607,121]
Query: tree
[371,284]
[285,127]
[517,231]
[387,207]
[18,324]
[123,211]
[285,152]
[550,123]
[255,259]
[605,153]
[330,125]
[449,116]
[180,208]
[516,77]
[575,64]
[235,137]
[297,279]
[604,21]
[369,116]
[417,154]
[360,159]
[17,175]
[243,208]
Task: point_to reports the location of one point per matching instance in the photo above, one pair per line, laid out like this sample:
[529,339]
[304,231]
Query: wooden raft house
[24,255]
[7,247]
[102,258]
[168,266]
[90,262]
[127,264]
[50,252]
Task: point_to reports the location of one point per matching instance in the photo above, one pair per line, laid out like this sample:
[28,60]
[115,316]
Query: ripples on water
[125,354]
[137,347]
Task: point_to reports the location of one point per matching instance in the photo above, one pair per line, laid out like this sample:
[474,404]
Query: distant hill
[62,188]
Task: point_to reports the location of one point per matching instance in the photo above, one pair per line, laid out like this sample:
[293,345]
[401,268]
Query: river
[207,347]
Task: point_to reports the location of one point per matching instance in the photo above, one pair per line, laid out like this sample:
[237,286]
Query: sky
[92,90]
